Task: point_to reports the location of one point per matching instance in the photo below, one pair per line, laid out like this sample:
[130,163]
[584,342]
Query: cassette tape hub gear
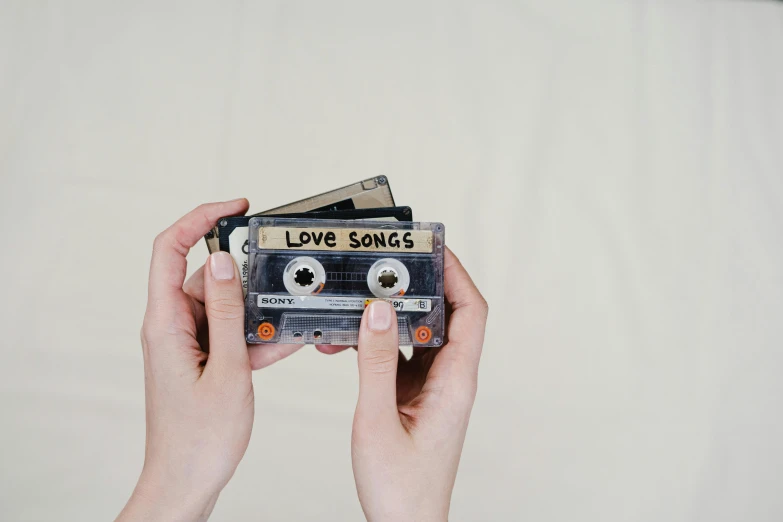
[310,280]
[388,277]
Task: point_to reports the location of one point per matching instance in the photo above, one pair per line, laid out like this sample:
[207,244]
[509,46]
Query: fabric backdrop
[609,172]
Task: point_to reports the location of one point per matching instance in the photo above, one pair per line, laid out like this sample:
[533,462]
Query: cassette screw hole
[387,278]
[317,334]
[304,276]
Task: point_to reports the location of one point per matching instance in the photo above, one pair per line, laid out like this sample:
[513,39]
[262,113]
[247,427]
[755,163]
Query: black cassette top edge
[227,225]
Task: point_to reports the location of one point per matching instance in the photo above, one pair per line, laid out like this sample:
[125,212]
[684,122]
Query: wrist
[419,516]
[428,513]
[153,500]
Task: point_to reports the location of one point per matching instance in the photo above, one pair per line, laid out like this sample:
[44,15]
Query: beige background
[609,172]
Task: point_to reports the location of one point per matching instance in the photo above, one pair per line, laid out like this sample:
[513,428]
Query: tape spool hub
[304,276]
[388,277]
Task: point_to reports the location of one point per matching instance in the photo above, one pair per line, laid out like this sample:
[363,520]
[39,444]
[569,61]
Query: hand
[199,404]
[411,416]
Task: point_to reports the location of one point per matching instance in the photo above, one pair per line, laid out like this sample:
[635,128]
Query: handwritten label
[345,239]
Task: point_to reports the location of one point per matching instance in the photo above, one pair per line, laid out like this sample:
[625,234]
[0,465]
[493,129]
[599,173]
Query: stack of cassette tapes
[310,268]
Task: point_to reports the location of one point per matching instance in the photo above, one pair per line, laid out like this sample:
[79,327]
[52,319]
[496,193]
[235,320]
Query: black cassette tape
[232,231]
[369,193]
[310,280]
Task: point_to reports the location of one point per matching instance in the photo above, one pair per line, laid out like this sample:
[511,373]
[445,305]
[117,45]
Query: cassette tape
[310,280]
[369,193]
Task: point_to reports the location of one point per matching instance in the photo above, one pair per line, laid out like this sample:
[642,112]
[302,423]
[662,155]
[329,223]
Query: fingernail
[234,200]
[222,266]
[379,316]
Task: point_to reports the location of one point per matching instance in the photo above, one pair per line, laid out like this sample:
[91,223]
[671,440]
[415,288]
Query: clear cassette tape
[310,280]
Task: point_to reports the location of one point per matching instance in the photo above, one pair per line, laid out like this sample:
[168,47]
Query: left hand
[200,405]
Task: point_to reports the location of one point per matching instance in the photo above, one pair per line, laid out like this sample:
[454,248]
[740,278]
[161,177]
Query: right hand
[411,416]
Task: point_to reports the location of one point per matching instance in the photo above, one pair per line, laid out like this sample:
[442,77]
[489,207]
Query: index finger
[468,317]
[469,308]
[168,265]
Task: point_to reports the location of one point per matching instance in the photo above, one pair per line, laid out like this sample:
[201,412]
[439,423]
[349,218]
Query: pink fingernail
[379,316]
[222,266]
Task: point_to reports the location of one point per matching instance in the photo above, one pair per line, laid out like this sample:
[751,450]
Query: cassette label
[345,240]
[310,280]
[237,241]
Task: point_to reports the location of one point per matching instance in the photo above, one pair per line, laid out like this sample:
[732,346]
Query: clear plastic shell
[310,280]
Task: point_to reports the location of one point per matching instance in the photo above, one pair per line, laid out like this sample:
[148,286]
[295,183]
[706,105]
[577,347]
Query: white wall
[609,172]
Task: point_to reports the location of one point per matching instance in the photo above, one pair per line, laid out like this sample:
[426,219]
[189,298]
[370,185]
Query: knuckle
[179,241]
[143,334]
[171,238]
[380,361]
[225,309]
[144,339]
[148,328]
[203,212]
[483,306]
[159,241]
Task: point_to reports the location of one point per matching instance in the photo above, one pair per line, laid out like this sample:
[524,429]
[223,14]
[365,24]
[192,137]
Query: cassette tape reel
[388,277]
[304,276]
[310,280]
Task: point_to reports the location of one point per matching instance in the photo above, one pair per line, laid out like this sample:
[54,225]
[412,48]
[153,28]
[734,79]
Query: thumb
[378,354]
[225,308]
